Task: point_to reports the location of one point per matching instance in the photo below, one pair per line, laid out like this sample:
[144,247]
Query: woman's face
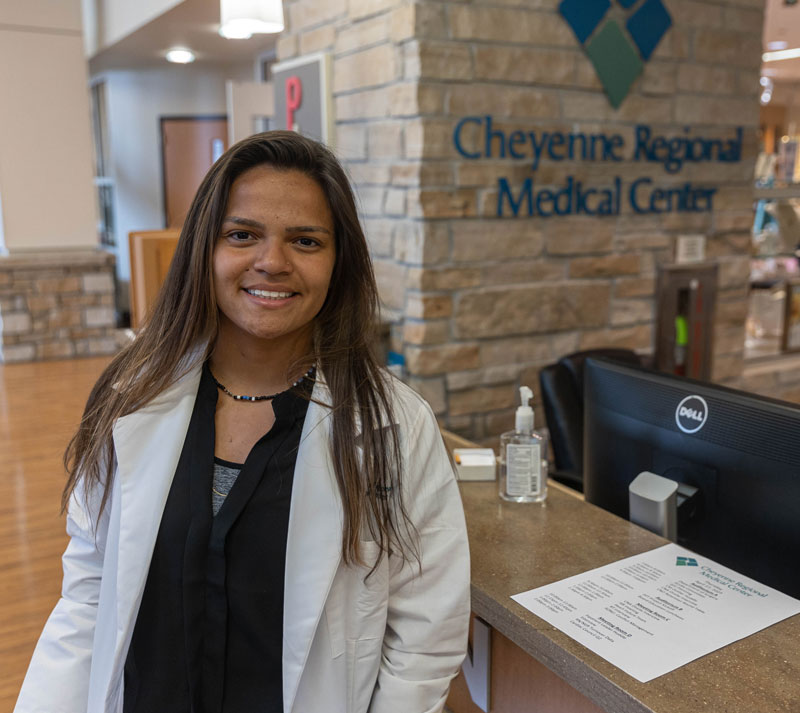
[274,258]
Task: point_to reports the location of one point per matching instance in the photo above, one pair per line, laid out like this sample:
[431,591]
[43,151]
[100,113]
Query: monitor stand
[657,503]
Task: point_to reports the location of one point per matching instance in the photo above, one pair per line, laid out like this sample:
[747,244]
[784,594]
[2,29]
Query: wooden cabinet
[151,253]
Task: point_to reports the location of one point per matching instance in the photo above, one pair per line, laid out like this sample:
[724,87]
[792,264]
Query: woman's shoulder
[159,394]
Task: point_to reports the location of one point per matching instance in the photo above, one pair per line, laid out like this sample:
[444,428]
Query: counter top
[516,547]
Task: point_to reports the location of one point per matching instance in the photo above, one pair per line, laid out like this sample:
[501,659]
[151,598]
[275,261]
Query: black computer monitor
[741,450]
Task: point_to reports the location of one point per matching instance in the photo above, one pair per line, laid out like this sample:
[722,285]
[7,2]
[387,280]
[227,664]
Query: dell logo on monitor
[691,414]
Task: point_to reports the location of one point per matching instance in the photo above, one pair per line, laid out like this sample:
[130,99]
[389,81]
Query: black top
[208,636]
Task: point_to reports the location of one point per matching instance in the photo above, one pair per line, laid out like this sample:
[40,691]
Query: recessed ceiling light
[777,45]
[180,55]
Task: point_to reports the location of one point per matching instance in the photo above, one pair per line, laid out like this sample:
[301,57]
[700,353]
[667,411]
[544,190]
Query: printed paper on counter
[654,612]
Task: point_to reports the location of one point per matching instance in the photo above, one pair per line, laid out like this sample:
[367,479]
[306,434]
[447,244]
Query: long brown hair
[185,318]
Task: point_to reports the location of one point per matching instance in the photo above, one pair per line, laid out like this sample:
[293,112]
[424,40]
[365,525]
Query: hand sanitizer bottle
[522,478]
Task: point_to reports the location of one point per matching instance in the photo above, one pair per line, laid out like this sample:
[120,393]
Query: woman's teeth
[270,295]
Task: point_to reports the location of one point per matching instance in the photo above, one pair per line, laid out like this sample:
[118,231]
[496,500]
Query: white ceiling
[192,24]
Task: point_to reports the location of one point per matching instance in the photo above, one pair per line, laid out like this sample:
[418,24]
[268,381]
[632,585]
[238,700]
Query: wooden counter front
[516,547]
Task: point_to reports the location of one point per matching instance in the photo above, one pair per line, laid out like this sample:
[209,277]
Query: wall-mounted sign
[618,55]
[690,248]
[477,137]
[303,96]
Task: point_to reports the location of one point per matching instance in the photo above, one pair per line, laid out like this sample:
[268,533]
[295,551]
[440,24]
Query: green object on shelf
[681,331]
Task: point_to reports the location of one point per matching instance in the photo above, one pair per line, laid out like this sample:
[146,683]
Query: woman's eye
[307,242]
[239,235]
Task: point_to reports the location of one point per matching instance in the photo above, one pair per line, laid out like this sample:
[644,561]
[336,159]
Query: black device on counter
[741,451]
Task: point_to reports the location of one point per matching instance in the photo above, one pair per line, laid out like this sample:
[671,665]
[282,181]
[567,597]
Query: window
[103,181]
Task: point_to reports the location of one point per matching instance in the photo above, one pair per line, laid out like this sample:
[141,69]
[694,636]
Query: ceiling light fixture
[793,53]
[777,45]
[180,55]
[241,19]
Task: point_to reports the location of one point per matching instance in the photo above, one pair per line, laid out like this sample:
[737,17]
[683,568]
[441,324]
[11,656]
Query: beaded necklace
[244,397]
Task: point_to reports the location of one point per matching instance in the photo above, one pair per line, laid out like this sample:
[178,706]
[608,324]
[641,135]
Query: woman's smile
[269,294]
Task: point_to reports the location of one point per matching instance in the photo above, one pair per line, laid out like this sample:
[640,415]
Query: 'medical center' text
[478,138]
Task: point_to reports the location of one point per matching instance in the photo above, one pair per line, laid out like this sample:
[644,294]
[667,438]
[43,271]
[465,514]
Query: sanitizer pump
[524,420]
[523,472]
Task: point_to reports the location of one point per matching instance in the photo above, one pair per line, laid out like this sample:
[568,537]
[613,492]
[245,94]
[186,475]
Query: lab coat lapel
[148,444]
[313,549]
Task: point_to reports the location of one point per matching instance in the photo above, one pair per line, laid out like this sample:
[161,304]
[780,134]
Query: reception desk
[537,669]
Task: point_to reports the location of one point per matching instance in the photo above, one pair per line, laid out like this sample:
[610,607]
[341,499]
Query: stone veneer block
[369,68]
[98,317]
[636,338]
[98,282]
[63,305]
[16,323]
[532,309]
[363,34]
[509,25]
[481,399]
[429,361]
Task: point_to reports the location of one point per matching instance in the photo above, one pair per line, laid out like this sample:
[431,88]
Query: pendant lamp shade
[240,19]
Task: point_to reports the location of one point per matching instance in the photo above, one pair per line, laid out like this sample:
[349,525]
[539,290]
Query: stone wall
[481,303]
[377,104]
[56,305]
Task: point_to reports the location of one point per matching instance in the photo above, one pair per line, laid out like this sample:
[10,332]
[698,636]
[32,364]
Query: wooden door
[189,146]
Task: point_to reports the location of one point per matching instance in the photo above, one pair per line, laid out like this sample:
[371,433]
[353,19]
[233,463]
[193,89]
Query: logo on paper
[686,562]
[691,414]
[618,54]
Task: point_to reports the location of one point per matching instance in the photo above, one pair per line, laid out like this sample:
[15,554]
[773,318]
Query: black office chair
[562,396]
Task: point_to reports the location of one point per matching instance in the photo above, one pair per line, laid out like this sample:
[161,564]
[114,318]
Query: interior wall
[136,102]
[45,135]
[49,15]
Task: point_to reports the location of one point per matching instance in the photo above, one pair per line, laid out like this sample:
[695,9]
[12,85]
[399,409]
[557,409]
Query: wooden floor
[40,406]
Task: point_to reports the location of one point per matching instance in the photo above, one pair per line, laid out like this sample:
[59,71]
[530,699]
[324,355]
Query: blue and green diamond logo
[618,54]
[686,562]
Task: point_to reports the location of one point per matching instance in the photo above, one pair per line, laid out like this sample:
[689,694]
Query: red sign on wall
[302,96]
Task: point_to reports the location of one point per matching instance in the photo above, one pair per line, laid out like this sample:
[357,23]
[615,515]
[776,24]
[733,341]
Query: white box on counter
[475,463]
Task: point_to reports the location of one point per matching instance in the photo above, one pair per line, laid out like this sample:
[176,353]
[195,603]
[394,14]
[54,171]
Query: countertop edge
[570,668]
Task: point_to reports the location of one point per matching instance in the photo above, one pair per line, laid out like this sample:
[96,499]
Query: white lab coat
[390,644]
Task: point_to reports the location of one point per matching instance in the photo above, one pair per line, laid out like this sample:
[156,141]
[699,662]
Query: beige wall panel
[245,102]
[45,141]
[50,14]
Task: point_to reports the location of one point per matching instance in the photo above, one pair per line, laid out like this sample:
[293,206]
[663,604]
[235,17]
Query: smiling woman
[274,259]
[261,518]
